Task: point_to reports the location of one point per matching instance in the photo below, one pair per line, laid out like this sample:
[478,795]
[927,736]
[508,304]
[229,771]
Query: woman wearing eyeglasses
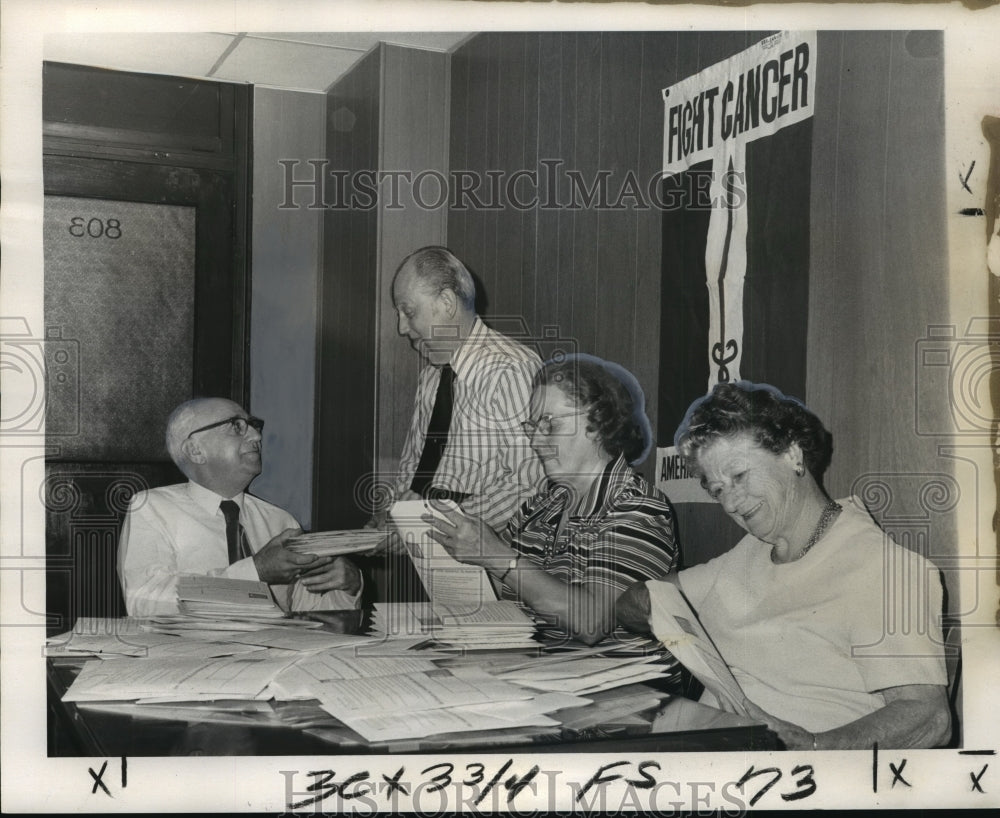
[598,526]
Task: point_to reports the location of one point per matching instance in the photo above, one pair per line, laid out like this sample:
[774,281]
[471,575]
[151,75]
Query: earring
[799,471]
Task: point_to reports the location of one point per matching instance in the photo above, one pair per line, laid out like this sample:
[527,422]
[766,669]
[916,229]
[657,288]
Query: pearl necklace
[830,512]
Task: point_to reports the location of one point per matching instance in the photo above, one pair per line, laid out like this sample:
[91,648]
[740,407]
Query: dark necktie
[437,433]
[236,537]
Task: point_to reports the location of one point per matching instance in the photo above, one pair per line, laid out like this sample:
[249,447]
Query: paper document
[589,675]
[578,669]
[610,708]
[489,625]
[336,543]
[223,597]
[679,631]
[130,679]
[501,613]
[377,646]
[304,641]
[334,665]
[413,692]
[542,703]
[249,713]
[198,649]
[219,628]
[447,581]
[93,636]
[435,722]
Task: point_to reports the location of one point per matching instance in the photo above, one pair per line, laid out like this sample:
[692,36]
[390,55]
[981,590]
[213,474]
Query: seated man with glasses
[211,526]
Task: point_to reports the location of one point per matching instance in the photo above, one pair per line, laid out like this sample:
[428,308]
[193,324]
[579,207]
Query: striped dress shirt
[487,456]
[624,534]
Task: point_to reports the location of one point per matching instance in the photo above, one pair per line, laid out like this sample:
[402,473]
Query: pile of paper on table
[415,704]
[489,625]
[178,679]
[217,628]
[224,598]
[583,675]
[116,638]
[93,636]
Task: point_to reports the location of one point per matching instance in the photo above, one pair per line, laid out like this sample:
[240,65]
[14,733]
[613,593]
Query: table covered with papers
[390,680]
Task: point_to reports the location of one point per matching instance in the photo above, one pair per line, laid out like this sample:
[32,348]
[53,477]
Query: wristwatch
[510,567]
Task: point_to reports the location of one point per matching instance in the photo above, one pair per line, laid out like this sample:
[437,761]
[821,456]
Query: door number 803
[95,228]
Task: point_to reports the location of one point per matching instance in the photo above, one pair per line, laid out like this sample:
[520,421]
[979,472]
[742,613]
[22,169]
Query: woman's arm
[913,716]
[586,611]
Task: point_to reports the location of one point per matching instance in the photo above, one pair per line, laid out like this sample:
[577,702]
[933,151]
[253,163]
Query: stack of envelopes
[584,675]
[178,679]
[336,543]
[224,598]
[489,625]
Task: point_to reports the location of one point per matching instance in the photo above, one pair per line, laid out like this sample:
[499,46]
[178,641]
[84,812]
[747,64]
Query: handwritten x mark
[967,175]
[98,779]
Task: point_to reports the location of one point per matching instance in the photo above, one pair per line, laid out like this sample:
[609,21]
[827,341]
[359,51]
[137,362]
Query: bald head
[435,300]
[437,269]
[218,458]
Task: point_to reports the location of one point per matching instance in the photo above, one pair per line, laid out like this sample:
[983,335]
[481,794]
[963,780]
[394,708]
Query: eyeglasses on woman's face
[543,424]
[237,425]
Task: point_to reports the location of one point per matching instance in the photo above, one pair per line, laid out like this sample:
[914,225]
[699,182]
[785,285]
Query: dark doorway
[146,298]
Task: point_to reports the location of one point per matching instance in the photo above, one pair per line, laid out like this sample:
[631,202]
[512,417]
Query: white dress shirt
[180,529]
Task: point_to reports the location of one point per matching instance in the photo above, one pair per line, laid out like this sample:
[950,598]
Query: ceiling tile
[183,54]
[433,40]
[286,64]
[355,40]
[309,61]
[364,40]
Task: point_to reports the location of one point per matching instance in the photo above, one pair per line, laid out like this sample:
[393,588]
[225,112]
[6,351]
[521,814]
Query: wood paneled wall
[879,282]
[345,433]
[288,125]
[877,250]
[414,138]
[592,103]
[388,115]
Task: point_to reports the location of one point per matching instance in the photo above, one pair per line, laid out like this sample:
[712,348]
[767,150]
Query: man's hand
[339,575]
[277,565]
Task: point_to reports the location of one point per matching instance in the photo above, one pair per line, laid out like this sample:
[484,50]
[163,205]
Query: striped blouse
[487,455]
[624,534]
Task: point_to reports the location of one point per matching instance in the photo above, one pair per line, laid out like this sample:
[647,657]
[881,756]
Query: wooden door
[146,298]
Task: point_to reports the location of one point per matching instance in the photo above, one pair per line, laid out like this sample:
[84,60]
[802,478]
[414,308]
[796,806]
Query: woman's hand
[470,540]
[632,608]
[913,716]
[791,735]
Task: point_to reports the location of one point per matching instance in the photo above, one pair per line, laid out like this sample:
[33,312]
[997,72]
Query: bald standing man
[465,439]
[212,526]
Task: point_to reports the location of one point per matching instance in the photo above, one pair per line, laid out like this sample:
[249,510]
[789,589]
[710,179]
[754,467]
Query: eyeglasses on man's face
[237,425]
[543,424]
